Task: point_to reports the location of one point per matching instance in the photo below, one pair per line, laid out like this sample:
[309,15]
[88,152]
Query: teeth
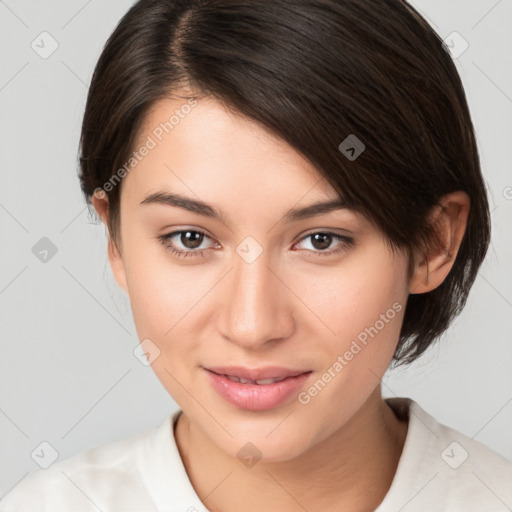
[269,381]
[261,382]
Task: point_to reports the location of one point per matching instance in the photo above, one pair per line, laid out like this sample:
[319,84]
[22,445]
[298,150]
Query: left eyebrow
[207,210]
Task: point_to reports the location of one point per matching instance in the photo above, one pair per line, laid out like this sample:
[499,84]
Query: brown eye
[185,243]
[191,239]
[322,240]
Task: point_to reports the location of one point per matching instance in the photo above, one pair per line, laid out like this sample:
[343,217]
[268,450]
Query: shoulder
[443,469]
[90,480]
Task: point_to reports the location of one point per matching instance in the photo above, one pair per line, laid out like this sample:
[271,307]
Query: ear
[100,202]
[432,265]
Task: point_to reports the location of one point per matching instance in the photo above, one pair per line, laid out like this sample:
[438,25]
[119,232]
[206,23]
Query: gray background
[68,375]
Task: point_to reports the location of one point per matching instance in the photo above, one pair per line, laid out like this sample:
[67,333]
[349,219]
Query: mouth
[256,389]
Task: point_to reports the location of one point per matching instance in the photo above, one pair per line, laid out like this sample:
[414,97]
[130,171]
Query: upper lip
[267,372]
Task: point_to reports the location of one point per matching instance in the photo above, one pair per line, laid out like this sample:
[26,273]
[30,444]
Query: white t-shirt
[440,469]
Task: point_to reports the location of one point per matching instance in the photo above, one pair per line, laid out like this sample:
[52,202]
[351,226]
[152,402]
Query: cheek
[160,292]
[364,310]
[353,297]
[163,301]
[363,305]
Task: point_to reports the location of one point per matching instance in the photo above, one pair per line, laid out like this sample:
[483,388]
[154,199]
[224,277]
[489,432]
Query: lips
[257,389]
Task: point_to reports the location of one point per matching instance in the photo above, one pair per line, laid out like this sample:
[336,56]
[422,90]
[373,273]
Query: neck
[352,469]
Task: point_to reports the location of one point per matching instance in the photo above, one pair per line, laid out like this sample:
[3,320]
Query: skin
[291,307]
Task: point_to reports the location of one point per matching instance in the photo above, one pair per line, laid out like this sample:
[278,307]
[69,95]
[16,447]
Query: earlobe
[434,263]
[100,203]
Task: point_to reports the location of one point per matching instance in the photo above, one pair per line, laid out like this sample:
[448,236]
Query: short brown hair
[313,72]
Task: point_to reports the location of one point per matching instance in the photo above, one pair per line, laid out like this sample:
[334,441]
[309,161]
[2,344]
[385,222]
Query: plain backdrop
[68,375]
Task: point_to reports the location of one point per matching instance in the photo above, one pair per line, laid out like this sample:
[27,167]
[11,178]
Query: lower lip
[256,397]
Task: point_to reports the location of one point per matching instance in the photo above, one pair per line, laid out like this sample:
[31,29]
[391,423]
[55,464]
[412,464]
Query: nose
[256,304]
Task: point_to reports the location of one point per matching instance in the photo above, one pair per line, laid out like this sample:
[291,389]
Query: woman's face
[254,288]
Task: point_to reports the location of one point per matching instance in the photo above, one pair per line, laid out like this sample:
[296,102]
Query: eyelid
[335,231]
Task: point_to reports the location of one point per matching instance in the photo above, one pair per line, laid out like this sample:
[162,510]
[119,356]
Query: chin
[262,440]
[264,450]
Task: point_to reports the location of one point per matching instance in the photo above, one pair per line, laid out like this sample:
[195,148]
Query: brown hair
[313,72]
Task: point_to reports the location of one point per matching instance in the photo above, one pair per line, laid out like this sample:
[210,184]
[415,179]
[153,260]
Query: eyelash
[165,241]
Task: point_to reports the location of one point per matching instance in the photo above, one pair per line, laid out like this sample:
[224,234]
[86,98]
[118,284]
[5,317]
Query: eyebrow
[206,210]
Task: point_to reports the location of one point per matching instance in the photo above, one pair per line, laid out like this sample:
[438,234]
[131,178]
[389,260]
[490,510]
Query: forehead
[203,149]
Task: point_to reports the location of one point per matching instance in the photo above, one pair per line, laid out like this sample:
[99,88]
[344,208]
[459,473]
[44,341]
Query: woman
[294,201]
